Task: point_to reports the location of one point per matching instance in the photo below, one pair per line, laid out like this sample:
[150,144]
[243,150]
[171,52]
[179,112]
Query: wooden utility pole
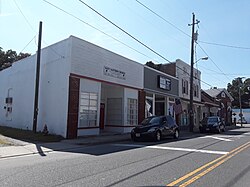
[37,78]
[191,107]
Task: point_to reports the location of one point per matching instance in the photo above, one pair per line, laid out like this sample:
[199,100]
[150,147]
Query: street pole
[37,78]
[240,107]
[191,112]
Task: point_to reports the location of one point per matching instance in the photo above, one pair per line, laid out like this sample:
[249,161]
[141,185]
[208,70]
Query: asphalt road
[206,160]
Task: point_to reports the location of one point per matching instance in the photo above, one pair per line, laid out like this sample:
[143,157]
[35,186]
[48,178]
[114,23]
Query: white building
[84,89]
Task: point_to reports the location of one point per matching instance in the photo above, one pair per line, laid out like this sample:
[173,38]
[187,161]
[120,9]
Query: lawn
[27,135]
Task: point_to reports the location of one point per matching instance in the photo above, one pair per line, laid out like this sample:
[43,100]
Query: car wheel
[133,138]
[176,134]
[158,135]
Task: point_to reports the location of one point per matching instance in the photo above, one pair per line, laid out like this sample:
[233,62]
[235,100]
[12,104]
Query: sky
[161,25]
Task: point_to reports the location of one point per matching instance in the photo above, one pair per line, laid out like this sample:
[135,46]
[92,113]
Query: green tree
[238,86]
[9,57]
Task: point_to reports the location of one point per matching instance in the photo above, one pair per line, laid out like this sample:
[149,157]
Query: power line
[111,36]
[125,31]
[93,27]
[163,18]
[210,43]
[225,45]
[28,43]
[213,61]
[154,25]
[24,16]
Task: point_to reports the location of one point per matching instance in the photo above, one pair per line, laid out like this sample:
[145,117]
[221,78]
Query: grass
[27,135]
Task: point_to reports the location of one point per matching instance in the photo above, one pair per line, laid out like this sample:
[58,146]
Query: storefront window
[88,109]
[132,112]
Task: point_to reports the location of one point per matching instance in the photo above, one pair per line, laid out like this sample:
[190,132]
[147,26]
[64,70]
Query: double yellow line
[203,170]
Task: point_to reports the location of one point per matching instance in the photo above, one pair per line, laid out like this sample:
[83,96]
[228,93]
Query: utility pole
[191,108]
[240,107]
[37,78]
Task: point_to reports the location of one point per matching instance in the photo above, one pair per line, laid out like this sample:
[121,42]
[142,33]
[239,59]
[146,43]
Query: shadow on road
[102,145]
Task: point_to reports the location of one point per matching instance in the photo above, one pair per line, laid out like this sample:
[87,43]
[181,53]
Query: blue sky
[221,22]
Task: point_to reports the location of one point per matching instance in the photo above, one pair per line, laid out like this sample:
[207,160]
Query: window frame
[132,111]
[88,109]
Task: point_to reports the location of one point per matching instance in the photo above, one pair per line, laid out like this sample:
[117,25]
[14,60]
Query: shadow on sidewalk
[109,143]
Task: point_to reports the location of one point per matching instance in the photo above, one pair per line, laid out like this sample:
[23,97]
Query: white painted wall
[18,80]
[54,88]
[245,112]
[53,91]
[89,60]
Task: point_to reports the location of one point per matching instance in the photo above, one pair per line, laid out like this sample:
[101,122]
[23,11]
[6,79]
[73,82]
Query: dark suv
[212,124]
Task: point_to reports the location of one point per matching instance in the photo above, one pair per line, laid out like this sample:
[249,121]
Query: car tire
[176,134]
[133,138]
[158,136]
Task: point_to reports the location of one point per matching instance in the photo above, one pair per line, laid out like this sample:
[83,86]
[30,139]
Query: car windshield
[151,120]
[212,120]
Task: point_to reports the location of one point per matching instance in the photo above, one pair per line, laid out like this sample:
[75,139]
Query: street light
[203,58]
[191,112]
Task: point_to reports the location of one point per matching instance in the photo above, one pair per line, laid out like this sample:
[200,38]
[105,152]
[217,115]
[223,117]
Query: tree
[239,86]
[9,57]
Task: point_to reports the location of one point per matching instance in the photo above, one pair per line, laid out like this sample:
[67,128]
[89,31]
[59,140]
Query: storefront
[160,91]
[84,90]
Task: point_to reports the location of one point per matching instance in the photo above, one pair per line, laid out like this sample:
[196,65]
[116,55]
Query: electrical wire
[28,43]
[93,27]
[154,26]
[109,35]
[125,32]
[163,18]
[224,45]
[213,62]
[27,21]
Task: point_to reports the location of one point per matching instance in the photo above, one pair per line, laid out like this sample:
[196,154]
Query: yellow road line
[204,166]
[212,168]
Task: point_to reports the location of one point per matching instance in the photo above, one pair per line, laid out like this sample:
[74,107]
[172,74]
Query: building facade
[182,71]
[84,90]
[225,102]
[159,93]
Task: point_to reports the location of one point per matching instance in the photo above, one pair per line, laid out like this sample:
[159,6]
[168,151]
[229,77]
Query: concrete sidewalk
[26,148]
[21,148]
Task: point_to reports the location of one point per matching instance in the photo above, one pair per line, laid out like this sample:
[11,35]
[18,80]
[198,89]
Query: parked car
[212,124]
[156,127]
[244,121]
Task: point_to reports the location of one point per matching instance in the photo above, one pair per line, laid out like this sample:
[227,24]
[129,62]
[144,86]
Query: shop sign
[114,73]
[164,83]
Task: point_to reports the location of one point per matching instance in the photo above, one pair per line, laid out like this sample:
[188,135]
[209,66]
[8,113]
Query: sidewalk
[21,148]
[25,148]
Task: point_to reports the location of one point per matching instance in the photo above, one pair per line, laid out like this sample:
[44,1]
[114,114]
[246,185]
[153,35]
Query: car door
[165,127]
[171,125]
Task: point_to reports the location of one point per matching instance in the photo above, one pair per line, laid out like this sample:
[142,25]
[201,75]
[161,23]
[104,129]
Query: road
[200,160]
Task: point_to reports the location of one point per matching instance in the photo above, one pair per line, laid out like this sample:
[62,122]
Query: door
[165,130]
[102,114]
